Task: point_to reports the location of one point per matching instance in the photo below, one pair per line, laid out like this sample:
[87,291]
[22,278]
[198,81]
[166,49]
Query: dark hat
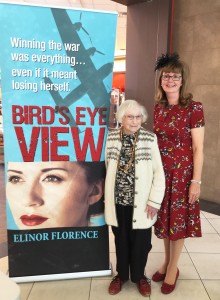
[166,59]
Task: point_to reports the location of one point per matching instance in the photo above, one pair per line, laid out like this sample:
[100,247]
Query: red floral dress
[177,218]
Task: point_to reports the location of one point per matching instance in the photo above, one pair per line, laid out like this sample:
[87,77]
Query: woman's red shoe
[169,288]
[157,277]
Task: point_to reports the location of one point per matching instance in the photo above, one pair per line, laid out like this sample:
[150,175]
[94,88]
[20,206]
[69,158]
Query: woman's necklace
[127,166]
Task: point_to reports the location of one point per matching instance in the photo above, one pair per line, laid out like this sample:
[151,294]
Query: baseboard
[210,207]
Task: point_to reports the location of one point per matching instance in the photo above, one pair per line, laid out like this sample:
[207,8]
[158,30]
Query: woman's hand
[194,192]
[151,212]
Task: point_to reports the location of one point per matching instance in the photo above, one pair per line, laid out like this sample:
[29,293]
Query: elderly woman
[134,190]
[179,126]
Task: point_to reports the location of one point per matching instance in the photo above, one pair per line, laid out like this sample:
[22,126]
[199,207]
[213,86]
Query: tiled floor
[199,273]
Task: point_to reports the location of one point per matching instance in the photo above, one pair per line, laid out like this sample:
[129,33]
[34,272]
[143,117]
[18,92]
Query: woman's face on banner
[50,194]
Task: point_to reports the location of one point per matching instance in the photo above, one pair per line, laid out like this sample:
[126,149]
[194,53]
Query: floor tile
[25,289]
[208,243]
[4,264]
[216,224]
[210,216]
[207,227]
[157,244]
[186,266]
[208,265]
[155,259]
[213,288]
[9,289]
[202,215]
[185,290]
[61,290]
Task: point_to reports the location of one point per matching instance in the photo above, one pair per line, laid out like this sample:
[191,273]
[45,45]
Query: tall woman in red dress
[179,126]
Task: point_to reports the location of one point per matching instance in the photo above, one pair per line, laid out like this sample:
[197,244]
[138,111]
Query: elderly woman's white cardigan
[149,177]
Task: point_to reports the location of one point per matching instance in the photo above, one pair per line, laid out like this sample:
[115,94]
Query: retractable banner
[56,70]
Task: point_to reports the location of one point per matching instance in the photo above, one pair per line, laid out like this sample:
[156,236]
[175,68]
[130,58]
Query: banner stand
[56,69]
[62,276]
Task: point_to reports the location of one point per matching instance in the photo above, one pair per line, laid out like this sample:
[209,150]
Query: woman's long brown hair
[184,97]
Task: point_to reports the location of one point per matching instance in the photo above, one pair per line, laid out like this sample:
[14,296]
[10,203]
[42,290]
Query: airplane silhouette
[78,25]
[91,78]
[92,50]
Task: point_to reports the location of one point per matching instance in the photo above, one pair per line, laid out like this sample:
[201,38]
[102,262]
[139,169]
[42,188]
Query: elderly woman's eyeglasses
[130,117]
[173,77]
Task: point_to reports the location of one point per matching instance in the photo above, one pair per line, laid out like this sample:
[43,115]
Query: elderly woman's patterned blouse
[124,184]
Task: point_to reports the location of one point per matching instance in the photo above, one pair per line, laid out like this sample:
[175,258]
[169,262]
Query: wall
[147,37]
[196,37]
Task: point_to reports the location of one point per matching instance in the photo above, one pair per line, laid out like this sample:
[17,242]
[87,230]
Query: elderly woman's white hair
[130,105]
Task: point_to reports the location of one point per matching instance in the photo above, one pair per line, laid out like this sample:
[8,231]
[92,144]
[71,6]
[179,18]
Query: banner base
[62,276]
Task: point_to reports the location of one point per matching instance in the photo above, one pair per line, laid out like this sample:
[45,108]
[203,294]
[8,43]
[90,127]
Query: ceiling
[91,4]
